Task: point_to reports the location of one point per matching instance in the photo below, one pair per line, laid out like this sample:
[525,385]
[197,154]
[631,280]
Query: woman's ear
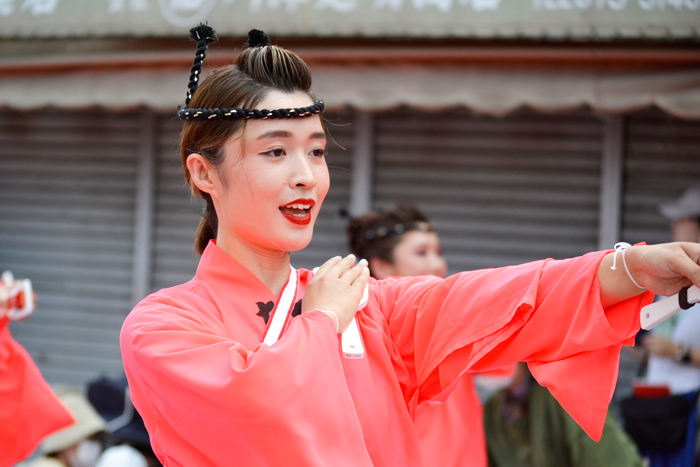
[381,268]
[201,174]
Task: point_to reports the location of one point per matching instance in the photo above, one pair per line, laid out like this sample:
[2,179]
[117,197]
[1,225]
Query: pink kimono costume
[211,394]
[29,410]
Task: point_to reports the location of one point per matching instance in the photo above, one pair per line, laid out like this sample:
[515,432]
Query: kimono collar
[221,271]
[218,269]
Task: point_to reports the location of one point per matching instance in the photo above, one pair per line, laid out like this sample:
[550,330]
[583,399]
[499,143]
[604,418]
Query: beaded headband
[204,35]
[382,232]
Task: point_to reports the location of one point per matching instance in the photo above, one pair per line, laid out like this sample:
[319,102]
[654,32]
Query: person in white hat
[675,359]
[73,446]
[684,214]
[674,346]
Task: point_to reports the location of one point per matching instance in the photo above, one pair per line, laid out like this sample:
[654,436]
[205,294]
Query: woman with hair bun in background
[398,242]
[255,363]
[402,241]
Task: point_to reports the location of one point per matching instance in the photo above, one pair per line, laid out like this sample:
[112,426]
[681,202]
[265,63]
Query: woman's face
[273,179]
[418,254]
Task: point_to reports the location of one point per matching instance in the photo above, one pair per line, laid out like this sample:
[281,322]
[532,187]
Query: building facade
[524,130]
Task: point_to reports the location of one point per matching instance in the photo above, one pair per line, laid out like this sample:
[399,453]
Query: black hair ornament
[205,35]
[257,38]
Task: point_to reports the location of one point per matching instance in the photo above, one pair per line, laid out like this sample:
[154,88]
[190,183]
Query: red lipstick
[298,211]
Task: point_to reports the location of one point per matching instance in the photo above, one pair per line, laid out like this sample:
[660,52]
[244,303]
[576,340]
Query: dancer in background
[250,362]
[29,410]
[402,241]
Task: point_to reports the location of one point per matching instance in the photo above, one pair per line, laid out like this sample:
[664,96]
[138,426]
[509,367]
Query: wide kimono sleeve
[547,313]
[29,409]
[209,401]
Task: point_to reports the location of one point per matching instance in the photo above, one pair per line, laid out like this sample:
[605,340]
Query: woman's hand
[662,269]
[337,286]
[666,268]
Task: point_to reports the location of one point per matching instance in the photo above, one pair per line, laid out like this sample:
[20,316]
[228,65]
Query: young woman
[401,241]
[398,242]
[246,365]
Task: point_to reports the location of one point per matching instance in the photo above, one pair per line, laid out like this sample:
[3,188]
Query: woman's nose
[438,265]
[302,175]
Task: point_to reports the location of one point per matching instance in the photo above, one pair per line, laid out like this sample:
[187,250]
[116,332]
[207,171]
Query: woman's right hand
[337,286]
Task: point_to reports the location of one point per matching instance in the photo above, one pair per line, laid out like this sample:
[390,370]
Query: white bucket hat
[685,207]
[121,456]
[88,422]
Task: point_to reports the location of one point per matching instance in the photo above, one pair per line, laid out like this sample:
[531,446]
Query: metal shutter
[500,190]
[176,212]
[67,180]
[663,160]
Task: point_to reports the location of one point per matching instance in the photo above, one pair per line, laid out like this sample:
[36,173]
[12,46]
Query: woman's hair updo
[260,68]
[376,234]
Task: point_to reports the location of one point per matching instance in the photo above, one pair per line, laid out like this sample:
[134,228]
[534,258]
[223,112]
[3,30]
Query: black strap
[683,299]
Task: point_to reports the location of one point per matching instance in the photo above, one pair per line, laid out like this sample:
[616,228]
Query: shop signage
[555,19]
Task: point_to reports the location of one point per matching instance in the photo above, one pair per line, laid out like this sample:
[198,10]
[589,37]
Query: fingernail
[362,262]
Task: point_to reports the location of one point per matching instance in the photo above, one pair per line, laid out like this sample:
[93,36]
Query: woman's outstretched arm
[567,318]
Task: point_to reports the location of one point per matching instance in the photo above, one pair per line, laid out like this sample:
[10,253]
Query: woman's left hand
[663,269]
[666,268]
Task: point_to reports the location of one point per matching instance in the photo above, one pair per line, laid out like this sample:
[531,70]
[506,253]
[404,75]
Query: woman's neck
[270,266]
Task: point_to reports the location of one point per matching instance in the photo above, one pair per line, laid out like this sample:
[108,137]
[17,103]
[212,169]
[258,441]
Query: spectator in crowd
[79,445]
[526,427]
[674,345]
[127,438]
[402,241]
[29,409]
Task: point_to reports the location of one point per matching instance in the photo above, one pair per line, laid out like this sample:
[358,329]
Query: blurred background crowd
[519,130]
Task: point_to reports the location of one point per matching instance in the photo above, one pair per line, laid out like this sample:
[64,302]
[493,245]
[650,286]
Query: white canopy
[482,88]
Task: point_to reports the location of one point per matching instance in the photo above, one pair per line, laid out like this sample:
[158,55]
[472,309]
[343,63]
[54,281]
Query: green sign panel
[577,19]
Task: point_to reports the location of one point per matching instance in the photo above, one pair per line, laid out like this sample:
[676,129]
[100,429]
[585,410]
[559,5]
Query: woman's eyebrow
[275,134]
[288,134]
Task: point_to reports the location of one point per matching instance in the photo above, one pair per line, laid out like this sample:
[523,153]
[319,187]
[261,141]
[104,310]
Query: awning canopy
[482,88]
[577,19]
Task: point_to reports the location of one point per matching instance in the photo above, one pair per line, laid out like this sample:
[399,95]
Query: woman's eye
[277,152]
[318,152]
